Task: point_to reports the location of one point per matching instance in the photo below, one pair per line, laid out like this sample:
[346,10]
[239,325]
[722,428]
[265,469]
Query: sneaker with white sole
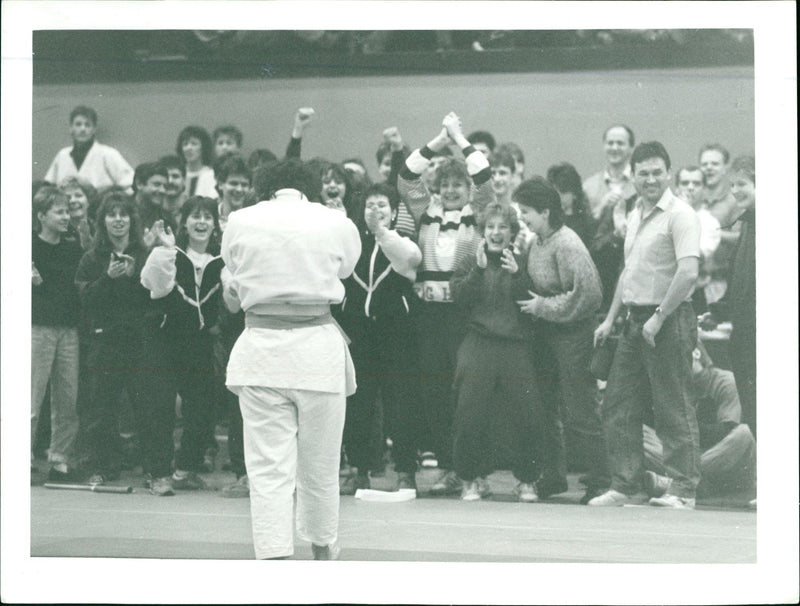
[526,492]
[615,498]
[656,485]
[239,490]
[470,491]
[673,501]
[448,483]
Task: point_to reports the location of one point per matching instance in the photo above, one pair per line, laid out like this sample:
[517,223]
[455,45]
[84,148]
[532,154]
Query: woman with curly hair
[195,149]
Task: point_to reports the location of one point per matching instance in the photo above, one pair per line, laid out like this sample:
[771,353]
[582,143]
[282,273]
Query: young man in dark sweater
[55,308]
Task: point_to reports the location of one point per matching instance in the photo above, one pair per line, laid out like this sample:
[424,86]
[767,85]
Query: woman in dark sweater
[55,309]
[183,275]
[114,307]
[494,374]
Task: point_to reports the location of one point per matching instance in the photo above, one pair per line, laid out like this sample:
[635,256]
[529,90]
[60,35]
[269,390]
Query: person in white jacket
[285,258]
[101,165]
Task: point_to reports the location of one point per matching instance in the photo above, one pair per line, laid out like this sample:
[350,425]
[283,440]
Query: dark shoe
[350,484]
[546,488]
[656,485]
[406,480]
[190,481]
[63,477]
[209,461]
[448,483]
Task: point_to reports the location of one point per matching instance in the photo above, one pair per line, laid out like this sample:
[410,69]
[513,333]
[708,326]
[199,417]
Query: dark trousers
[640,372]
[179,363]
[743,365]
[441,328]
[235,437]
[231,326]
[562,354]
[113,362]
[385,358]
[495,378]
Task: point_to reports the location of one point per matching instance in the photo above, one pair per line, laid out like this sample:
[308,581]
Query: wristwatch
[659,311]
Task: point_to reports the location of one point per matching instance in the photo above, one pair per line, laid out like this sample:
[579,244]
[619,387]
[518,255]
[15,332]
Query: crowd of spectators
[474,312]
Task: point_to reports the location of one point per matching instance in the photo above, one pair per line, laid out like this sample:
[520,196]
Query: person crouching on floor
[494,373]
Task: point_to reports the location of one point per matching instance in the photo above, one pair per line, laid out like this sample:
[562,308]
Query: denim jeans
[54,358]
[661,374]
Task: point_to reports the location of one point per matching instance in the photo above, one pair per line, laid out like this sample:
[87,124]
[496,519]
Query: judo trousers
[292,440]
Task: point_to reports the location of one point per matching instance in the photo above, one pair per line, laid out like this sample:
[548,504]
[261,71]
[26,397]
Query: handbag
[602,357]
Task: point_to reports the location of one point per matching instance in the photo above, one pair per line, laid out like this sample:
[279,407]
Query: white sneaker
[673,501]
[613,498]
[470,491]
[526,493]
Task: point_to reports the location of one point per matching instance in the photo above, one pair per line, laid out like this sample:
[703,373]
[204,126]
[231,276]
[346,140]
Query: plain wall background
[554,117]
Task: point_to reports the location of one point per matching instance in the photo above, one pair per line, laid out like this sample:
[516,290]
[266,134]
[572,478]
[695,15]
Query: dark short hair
[482,136]
[689,169]
[648,150]
[538,194]
[291,173]
[199,203]
[565,177]
[503,158]
[261,157]
[726,156]
[504,211]
[231,164]
[45,199]
[86,112]
[170,162]
[231,131]
[384,189]
[628,129]
[513,149]
[745,165]
[201,134]
[452,168]
[145,170]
